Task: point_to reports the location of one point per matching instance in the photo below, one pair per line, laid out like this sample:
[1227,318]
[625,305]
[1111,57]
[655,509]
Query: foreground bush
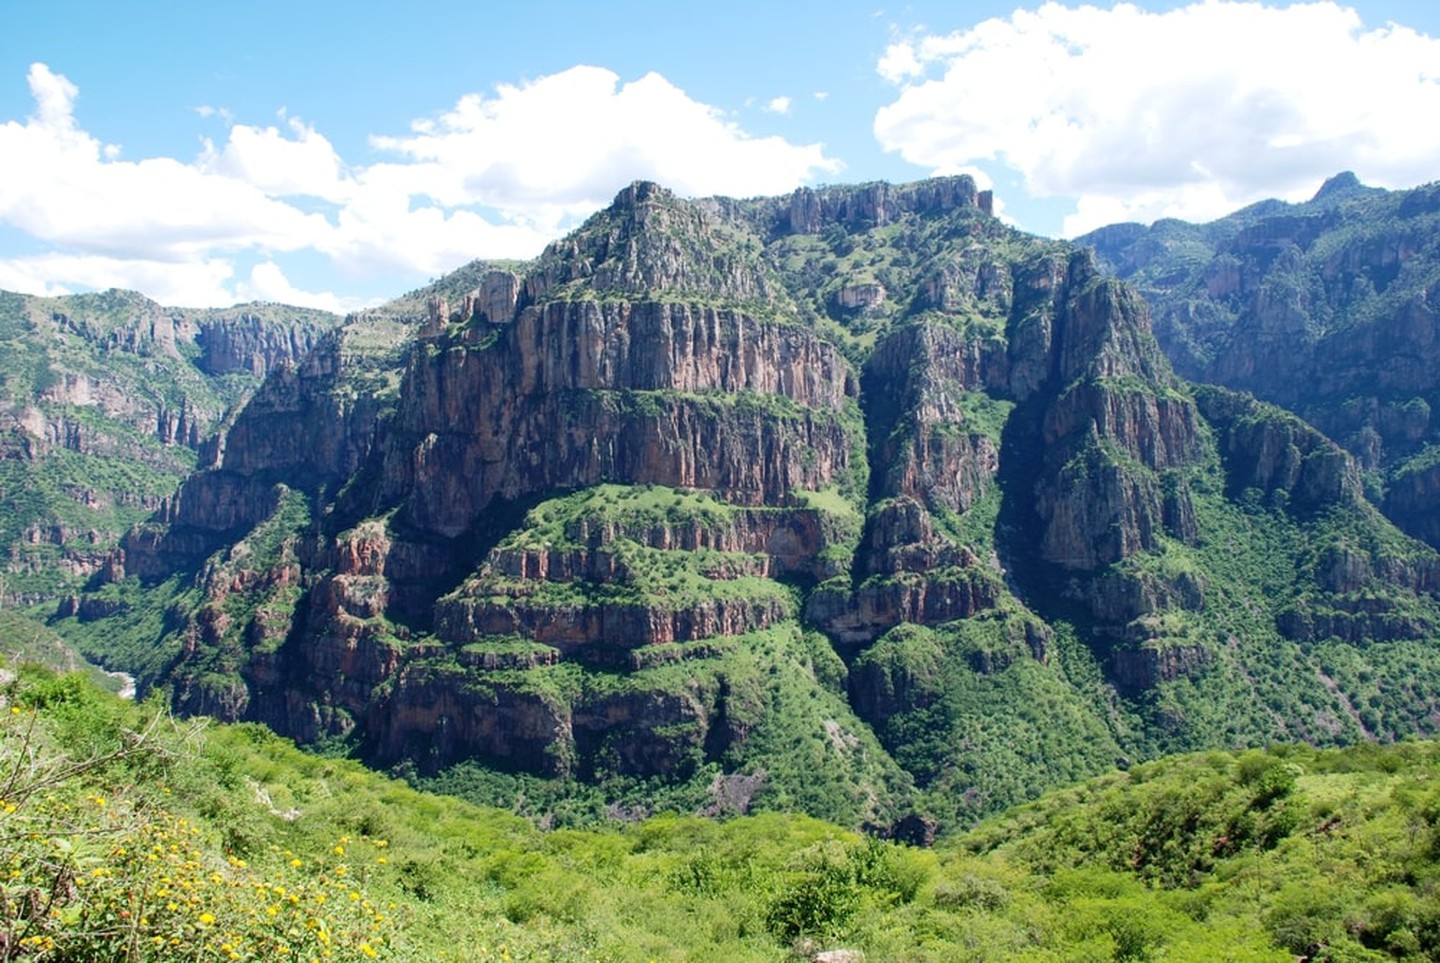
[125,835]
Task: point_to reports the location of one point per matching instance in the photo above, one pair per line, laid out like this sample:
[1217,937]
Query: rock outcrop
[780,491]
[107,400]
[575,393]
[1327,308]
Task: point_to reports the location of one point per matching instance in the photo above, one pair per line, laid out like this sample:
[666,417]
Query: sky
[336,154]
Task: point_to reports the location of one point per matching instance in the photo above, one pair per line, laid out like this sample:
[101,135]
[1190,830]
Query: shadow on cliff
[1041,585]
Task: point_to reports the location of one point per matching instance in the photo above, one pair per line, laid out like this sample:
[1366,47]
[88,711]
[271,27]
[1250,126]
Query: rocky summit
[855,501]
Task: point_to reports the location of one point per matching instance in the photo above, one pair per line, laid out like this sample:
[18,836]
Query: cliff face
[107,399]
[1328,308]
[856,493]
[578,392]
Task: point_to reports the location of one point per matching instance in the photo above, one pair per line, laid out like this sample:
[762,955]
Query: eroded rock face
[874,205]
[524,392]
[577,393]
[434,718]
[245,342]
[300,427]
[1327,308]
[1107,423]
[660,447]
[1117,417]
[1139,669]
[1411,500]
[1272,451]
[114,395]
[569,628]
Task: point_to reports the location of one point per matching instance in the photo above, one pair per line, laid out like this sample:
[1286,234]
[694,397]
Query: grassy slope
[187,842]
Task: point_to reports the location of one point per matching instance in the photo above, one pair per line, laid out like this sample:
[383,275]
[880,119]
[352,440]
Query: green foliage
[142,838]
[901,255]
[793,740]
[138,632]
[23,642]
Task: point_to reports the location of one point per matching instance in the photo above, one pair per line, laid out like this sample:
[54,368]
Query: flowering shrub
[85,875]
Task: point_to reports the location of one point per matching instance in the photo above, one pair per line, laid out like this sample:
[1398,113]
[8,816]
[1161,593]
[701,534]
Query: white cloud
[205,110]
[495,176]
[778,105]
[268,283]
[198,283]
[54,97]
[566,143]
[59,185]
[302,165]
[1190,113]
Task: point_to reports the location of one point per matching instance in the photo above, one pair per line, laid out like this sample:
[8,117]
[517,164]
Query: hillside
[107,401]
[1327,308]
[132,836]
[854,502]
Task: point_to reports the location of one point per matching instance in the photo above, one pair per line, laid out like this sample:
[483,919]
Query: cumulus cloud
[60,185]
[778,105]
[566,142]
[497,175]
[301,164]
[198,283]
[1190,113]
[268,283]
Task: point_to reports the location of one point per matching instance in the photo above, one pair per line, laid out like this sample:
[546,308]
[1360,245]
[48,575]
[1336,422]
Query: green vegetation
[24,642]
[657,649]
[1311,306]
[979,721]
[558,523]
[961,255]
[650,242]
[985,414]
[137,630]
[107,397]
[126,835]
[758,714]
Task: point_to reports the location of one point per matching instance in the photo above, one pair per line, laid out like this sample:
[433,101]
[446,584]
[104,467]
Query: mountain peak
[1342,183]
[642,192]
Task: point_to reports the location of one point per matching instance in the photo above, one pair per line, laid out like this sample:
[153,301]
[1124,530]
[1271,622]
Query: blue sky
[336,154]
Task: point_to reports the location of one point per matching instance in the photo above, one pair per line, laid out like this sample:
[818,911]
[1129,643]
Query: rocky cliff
[855,495]
[1328,308]
[105,402]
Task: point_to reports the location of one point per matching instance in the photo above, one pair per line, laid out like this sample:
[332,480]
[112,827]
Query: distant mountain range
[1327,308]
[854,501]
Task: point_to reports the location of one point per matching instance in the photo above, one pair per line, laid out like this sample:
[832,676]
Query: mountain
[854,501]
[106,403]
[1327,308]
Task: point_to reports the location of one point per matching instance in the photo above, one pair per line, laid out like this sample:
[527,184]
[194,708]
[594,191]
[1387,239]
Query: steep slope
[855,501]
[106,401]
[1327,308]
[427,616]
